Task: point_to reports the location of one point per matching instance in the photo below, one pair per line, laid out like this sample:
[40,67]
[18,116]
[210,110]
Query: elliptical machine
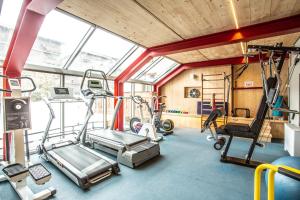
[166,126]
[17,121]
[139,125]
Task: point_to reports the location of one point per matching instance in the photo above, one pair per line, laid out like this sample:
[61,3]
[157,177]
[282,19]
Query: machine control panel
[62,93]
[14,84]
[18,114]
[95,84]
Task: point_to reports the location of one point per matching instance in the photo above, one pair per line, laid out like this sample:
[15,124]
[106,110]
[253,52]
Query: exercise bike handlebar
[138,99]
[20,79]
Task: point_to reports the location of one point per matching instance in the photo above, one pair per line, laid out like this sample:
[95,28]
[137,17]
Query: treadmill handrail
[85,75]
[52,116]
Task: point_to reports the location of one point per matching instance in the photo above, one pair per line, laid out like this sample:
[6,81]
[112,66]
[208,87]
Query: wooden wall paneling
[174,89]
[123,17]
[252,73]
[251,98]
[184,121]
[247,99]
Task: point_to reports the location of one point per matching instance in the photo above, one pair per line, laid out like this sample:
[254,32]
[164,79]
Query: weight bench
[246,131]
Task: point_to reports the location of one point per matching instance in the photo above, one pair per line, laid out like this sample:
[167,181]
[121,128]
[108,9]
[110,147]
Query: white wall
[294,89]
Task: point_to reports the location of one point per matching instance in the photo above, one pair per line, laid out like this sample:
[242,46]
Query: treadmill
[130,149]
[81,164]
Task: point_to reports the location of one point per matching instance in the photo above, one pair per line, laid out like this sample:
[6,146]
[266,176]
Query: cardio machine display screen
[14,82]
[94,84]
[61,91]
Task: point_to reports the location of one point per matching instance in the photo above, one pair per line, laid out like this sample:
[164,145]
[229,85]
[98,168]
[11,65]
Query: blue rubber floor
[188,168]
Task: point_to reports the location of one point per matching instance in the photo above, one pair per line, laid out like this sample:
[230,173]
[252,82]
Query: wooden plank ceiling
[155,22]
[232,50]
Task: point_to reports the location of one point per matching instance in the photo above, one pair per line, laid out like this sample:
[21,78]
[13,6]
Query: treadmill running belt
[79,157]
[120,137]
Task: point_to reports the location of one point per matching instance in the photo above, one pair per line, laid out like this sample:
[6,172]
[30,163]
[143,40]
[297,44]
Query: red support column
[27,31]
[28,24]
[119,89]
[168,77]
[143,59]
[5,83]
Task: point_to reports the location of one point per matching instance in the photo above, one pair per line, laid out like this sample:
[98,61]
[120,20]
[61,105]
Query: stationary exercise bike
[17,120]
[139,125]
[166,126]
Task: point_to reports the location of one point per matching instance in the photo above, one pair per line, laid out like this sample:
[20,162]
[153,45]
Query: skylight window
[146,67]
[8,18]
[57,39]
[102,51]
[158,70]
[128,61]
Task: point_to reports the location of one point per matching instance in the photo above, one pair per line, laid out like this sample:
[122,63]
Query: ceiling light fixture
[234,14]
[236,22]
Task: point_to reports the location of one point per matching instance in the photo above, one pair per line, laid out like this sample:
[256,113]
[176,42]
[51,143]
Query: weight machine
[271,87]
[273,93]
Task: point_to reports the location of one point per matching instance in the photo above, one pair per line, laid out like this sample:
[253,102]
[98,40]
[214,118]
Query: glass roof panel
[158,70]
[102,52]
[8,18]
[128,61]
[166,73]
[59,36]
[153,61]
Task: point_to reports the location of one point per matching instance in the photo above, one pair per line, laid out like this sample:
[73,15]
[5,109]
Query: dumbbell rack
[206,92]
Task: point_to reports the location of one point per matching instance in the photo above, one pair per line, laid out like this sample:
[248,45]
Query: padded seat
[237,127]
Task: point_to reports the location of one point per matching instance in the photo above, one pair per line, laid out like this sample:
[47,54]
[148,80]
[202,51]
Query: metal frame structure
[32,15]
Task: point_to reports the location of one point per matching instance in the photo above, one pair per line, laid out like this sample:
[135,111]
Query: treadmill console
[14,84]
[95,87]
[95,84]
[61,93]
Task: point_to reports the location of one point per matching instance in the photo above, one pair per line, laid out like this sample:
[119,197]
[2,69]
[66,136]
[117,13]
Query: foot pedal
[16,172]
[39,174]
[260,144]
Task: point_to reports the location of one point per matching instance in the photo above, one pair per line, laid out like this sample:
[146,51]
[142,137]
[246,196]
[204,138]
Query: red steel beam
[27,31]
[208,63]
[5,83]
[24,35]
[252,32]
[143,59]
[243,34]
[168,77]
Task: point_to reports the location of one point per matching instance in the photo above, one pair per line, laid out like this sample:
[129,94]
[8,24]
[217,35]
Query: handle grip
[20,79]
[289,173]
